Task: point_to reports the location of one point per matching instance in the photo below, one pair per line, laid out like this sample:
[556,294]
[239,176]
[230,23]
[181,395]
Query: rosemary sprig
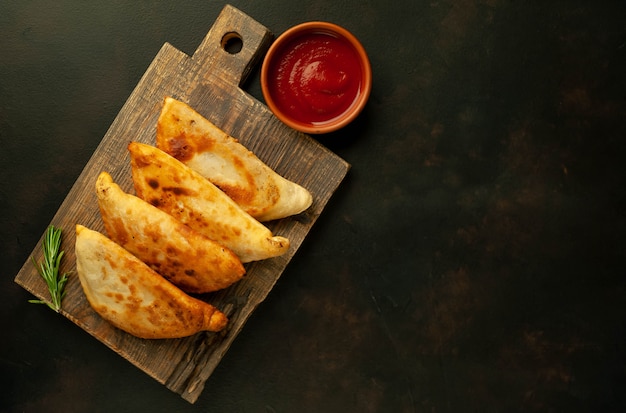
[49,268]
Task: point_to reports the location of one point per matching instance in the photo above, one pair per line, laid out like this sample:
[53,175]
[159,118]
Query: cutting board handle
[219,52]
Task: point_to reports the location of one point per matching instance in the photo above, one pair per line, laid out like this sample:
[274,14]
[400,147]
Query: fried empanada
[183,193]
[133,297]
[190,260]
[194,140]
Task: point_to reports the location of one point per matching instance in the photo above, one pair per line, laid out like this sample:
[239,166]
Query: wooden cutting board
[209,81]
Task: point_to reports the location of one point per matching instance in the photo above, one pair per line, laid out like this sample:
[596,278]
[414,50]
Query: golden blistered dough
[133,297]
[256,188]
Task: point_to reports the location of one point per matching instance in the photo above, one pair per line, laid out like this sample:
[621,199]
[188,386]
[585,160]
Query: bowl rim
[366,86]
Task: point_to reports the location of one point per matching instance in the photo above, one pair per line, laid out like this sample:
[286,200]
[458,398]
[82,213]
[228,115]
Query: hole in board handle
[232,42]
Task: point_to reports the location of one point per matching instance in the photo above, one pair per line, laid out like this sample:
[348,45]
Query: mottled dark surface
[473,260]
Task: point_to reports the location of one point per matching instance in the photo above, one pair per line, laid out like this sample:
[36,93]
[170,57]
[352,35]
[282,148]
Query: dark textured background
[473,260]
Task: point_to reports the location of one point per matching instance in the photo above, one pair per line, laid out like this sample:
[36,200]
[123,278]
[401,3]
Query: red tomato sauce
[318,77]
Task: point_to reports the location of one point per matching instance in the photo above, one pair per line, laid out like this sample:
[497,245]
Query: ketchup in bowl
[316,77]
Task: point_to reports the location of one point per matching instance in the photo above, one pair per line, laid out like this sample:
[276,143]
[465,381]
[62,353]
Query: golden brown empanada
[183,193]
[260,191]
[133,297]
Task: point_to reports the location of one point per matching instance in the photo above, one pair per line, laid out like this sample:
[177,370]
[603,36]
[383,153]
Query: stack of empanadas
[193,223]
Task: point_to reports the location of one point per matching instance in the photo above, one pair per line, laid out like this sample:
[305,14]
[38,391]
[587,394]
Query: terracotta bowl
[316,77]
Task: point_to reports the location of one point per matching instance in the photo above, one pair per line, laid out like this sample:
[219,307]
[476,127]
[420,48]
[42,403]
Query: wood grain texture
[208,81]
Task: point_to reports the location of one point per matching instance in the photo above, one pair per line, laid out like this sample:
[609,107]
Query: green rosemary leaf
[49,268]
